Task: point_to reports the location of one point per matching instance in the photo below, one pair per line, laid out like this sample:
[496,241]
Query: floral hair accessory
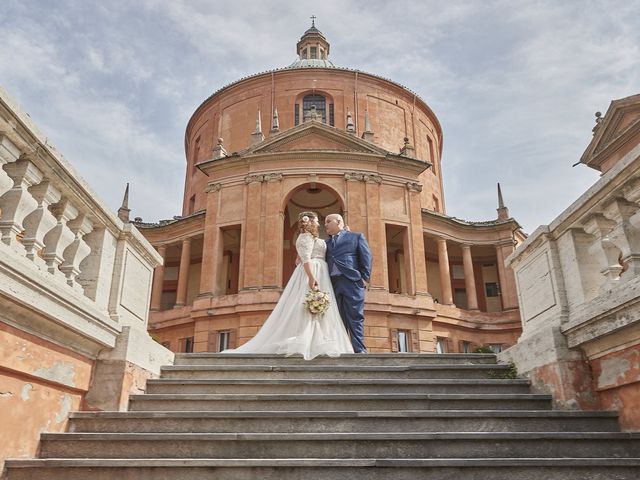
[305,218]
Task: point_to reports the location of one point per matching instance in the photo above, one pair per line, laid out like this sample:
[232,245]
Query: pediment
[314,136]
[621,120]
[624,119]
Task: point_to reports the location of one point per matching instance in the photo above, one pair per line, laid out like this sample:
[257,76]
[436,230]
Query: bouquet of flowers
[316,301]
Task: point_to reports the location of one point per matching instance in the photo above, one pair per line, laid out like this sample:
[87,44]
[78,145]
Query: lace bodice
[309,247]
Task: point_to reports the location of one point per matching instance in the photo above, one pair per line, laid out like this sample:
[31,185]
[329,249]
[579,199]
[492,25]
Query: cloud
[514,84]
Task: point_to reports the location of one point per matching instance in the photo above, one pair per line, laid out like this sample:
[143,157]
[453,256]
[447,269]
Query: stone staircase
[376,416]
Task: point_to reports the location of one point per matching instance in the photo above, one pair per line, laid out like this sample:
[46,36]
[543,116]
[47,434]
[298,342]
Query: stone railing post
[625,235]
[608,253]
[78,250]
[8,154]
[40,221]
[59,237]
[96,270]
[18,202]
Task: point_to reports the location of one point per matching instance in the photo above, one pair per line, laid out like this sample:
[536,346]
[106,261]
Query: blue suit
[349,261]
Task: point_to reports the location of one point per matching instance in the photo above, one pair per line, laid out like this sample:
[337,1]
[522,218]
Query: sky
[515,84]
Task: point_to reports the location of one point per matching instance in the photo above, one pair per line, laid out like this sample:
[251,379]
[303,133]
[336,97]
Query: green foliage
[509,374]
[482,349]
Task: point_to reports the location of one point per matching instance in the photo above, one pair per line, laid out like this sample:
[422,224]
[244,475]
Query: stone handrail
[60,247]
[585,263]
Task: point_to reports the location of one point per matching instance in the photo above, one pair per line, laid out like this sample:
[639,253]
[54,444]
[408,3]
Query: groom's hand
[367,284]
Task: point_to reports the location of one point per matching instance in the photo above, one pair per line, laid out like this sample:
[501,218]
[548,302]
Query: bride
[291,329]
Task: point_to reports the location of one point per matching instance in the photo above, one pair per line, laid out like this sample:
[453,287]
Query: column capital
[363,177]
[414,187]
[213,187]
[254,179]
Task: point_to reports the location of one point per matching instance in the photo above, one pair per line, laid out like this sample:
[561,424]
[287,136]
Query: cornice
[489,224]
[216,165]
[167,226]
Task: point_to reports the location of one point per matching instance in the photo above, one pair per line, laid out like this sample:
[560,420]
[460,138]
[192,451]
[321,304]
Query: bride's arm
[304,246]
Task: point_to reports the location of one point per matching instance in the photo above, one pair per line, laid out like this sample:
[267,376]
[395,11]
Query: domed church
[314,136]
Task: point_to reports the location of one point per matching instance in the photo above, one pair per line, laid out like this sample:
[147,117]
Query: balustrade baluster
[18,202]
[40,221]
[59,237]
[78,250]
[8,154]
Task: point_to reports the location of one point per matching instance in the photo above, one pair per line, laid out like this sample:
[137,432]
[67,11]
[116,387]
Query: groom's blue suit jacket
[351,255]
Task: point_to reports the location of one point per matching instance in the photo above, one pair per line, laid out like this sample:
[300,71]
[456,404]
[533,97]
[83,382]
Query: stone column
[469,279]
[211,248]
[507,278]
[416,235]
[158,280]
[183,273]
[445,275]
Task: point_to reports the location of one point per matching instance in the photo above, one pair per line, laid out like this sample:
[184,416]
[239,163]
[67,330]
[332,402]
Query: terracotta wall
[616,380]
[395,113]
[40,383]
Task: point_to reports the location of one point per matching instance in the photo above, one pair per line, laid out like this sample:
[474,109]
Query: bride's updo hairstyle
[306,223]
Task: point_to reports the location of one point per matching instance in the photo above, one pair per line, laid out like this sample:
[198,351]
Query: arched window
[314,103]
[317,101]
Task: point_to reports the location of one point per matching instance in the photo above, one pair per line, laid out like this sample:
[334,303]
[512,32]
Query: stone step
[341,371]
[323,402]
[340,445]
[327,469]
[370,385]
[371,359]
[343,421]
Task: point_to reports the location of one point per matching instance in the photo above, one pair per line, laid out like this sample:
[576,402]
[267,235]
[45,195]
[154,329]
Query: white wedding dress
[291,329]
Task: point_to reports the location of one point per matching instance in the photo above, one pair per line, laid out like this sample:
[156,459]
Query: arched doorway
[313,197]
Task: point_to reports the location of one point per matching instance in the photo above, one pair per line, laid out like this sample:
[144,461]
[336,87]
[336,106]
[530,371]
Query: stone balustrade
[579,293]
[582,264]
[75,284]
[52,224]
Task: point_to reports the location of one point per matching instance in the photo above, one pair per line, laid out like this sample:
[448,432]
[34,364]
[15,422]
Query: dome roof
[312,30]
[312,63]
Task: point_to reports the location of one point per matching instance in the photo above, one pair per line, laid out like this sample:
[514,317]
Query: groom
[349,261]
